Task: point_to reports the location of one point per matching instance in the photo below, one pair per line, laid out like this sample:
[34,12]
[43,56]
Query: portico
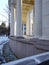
[27,17]
[20,11]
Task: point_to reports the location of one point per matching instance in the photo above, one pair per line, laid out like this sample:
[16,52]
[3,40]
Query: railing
[35,59]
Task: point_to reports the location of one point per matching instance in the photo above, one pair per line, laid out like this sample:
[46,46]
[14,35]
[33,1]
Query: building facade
[29,17]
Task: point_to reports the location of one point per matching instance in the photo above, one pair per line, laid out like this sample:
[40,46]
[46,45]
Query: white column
[38,18]
[45,18]
[19,18]
[12,21]
[31,27]
[31,23]
[28,24]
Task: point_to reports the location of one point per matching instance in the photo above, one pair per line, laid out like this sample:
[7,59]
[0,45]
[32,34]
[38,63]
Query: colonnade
[37,22]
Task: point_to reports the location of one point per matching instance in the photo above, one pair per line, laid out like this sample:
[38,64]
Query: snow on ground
[3,40]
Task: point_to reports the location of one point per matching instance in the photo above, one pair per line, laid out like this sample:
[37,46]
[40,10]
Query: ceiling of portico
[27,6]
[30,2]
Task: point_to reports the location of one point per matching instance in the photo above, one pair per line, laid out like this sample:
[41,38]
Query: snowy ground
[3,40]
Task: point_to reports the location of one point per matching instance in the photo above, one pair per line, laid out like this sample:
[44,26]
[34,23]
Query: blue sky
[3,4]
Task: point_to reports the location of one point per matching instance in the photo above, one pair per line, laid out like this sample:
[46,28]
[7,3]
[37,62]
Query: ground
[7,53]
